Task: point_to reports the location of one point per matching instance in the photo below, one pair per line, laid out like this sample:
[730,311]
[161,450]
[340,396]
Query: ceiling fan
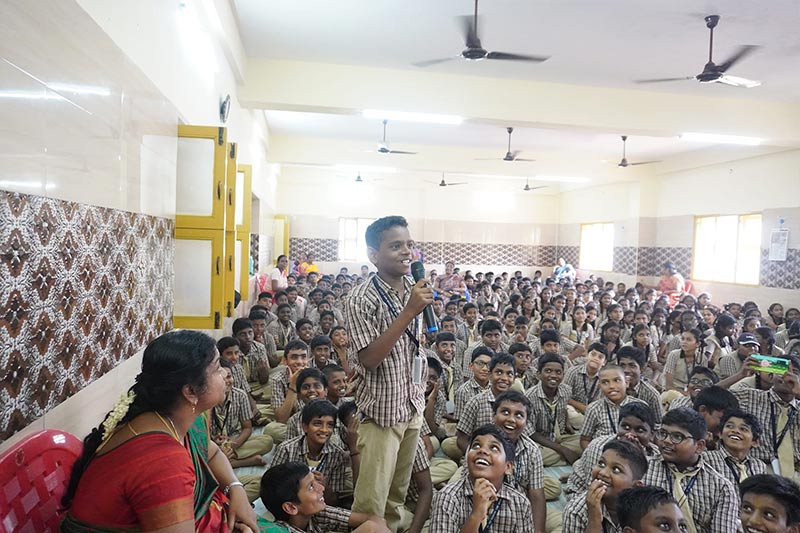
[713,73]
[474,51]
[624,161]
[444,183]
[359,179]
[527,186]
[383,147]
[510,156]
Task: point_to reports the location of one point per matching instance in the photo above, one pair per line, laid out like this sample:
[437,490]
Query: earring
[193,407]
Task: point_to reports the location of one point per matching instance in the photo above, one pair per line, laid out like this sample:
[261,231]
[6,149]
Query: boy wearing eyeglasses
[700,378]
[708,501]
[479,382]
[741,432]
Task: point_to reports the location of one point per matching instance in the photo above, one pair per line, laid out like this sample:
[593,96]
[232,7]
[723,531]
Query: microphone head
[417,270]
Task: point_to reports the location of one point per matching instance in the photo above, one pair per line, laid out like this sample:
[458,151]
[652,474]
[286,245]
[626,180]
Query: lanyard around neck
[393,310]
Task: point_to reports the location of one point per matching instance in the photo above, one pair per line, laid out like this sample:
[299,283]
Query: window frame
[739,216]
[343,239]
[580,247]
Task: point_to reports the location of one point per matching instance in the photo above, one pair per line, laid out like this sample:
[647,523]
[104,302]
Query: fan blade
[740,54]
[662,80]
[468,31]
[401,152]
[534,188]
[643,163]
[522,159]
[736,81]
[516,57]
[430,62]
[457,183]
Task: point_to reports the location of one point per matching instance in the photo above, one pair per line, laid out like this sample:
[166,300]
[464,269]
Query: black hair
[706,372]
[281,484]
[314,373]
[330,368]
[639,410]
[445,336]
[434,364]
[748,418]
[326,312]
[502,358]
[687,419]
[512,396]
[632,453]
[320,340]
[633,353]
[281,307]
[226,342]
[170,362]
[715,398]
[549,335]
[768,335]
[782,489]
[608,325]
[295,344]
[448,318]
[468,306]
[302,322]
[518,347]
[481,350]
[345,410]
[264,294]
[317,409]
[521,320]
[598,347]
[549,358]
[240,324]
[490,429]
[490,325]
[509,311]
[257,314]
[634,503]
[723,321]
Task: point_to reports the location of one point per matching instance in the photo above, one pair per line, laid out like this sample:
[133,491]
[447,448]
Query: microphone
[418,273]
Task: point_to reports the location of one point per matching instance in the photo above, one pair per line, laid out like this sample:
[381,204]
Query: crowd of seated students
[658,410]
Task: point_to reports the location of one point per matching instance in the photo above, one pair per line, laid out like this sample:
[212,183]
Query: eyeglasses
[480,364]
[675,437]
[703,382]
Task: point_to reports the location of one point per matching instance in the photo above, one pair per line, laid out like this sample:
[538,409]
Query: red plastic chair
[33,477]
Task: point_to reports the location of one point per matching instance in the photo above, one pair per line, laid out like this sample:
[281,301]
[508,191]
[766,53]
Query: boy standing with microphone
[383,323]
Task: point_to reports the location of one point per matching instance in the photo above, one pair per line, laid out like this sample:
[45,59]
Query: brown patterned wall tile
[81,289]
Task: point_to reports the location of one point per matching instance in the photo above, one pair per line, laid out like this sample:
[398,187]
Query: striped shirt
[602,417]
[765,405]
[729,365]
[256,356]
[528,472]
[583,389]
[226,419]
[239,378]
[385,394]
[421,462]
[649,395]
[281,334]
[576,517]
[329,519]
[280,385]
[453,504]
[681,402]
[727,465]
[465,393]
[712,498]
[333,459]
[544,416]
[474,346]
[478,412]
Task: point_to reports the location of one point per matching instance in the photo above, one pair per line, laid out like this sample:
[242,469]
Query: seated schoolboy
[602,414]
[511,414]
[314,448]
[452,373]
[549,400]
[481,501]
[337,383]
[490,337]
[282,330]
[311,385]
[700,378]
[636,424]
[582,379]
[621,466]
[327,320]
[228,348]
[708,501]
[770,503]
[254,356]
[479,382]
[633,361]
[649,510]
[449,325]
[731,363]
[321,347]
[435,403]
[478,411]
[259,319]
[526,374]
[775,408]
[284,391]
[741,432]
[712,404]
[305,330]
[293,494]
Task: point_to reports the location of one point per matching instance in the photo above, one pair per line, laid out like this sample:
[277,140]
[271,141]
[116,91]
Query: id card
[451,407]
[776,466]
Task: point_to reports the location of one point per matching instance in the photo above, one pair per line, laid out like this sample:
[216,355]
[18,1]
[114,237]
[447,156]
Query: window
[597,247]
[727,249]
[352,246]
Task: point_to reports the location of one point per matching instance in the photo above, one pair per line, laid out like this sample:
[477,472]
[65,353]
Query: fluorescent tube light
[407,116]
[562,179]
[715,138]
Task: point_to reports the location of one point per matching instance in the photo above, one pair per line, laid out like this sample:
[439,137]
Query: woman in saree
[671,281]
[150,465]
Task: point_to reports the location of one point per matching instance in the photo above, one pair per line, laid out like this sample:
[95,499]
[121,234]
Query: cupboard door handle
[230,197]
[230,263]
[218,263]
[219,190]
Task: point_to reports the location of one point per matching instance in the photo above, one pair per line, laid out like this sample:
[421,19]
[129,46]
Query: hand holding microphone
[425,294]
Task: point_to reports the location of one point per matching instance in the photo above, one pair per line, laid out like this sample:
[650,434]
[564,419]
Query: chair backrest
[33,477]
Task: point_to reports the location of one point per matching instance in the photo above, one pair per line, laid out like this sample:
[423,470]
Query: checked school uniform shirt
[386,394]
[602,417]
[333,460]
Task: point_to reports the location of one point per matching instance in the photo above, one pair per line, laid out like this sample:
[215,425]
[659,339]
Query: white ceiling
[592,43]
